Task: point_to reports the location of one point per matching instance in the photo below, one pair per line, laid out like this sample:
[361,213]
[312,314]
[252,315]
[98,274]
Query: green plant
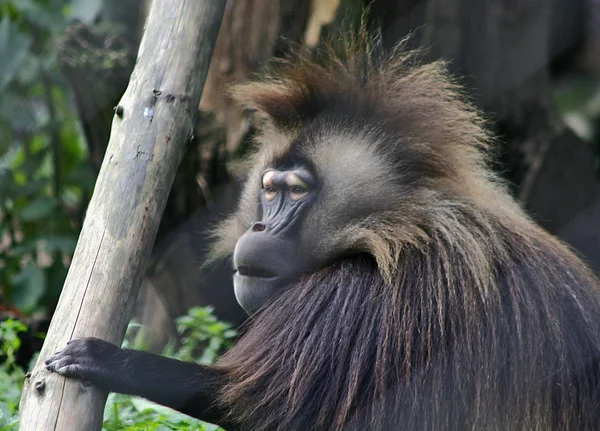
[45,176]
[128,413]
[11,375]
[203,337]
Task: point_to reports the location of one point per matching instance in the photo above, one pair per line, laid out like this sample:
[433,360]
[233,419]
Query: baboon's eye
[297,187]
[268,185]
[298,192]
[270,192]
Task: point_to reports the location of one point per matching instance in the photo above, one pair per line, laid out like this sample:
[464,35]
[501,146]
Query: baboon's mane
[478,321]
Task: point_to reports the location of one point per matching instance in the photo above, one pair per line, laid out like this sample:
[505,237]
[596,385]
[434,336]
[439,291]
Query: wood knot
[40,386]
[119,110]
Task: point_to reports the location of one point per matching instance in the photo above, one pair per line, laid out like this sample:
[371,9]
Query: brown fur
[454,311]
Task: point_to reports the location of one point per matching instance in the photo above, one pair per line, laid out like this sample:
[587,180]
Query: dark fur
[454,311]
[430,351]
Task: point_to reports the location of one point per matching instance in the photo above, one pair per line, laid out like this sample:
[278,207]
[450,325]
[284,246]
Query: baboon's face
[313,200]
[271,254]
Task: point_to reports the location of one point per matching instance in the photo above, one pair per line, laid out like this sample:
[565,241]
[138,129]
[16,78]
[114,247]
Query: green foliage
[45,183]
[10,341]
[203,339]
[201,332]
[11,375]
[45,176]
[132,414]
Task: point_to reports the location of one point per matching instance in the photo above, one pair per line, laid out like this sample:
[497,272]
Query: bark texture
[151,128]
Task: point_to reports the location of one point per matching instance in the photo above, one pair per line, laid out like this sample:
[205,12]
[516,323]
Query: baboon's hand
[87,359]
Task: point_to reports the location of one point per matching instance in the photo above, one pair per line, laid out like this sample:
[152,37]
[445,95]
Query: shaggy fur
[444,306]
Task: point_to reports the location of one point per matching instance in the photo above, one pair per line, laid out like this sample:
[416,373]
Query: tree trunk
[152,125]
[252,32]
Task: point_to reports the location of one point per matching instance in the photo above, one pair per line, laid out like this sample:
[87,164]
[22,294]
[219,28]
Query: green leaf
[142,404]
[82,176]
[27,246]
[14,48]
[7,184]
[29,73]
[12,424]
[10,341]
[31,187]
[29,287]
[38,209]
[5,141]
[46,17]
[61,243]
[17,111]
[32,163]
[55,279]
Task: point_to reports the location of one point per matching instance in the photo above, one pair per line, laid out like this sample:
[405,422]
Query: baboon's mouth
[253,271]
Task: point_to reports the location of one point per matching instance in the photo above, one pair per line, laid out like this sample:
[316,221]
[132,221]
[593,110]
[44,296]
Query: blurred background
[533,66]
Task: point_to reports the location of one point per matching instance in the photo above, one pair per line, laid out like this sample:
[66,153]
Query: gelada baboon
[394,283]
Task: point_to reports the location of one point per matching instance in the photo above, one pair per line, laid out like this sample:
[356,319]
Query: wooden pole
[151,127]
